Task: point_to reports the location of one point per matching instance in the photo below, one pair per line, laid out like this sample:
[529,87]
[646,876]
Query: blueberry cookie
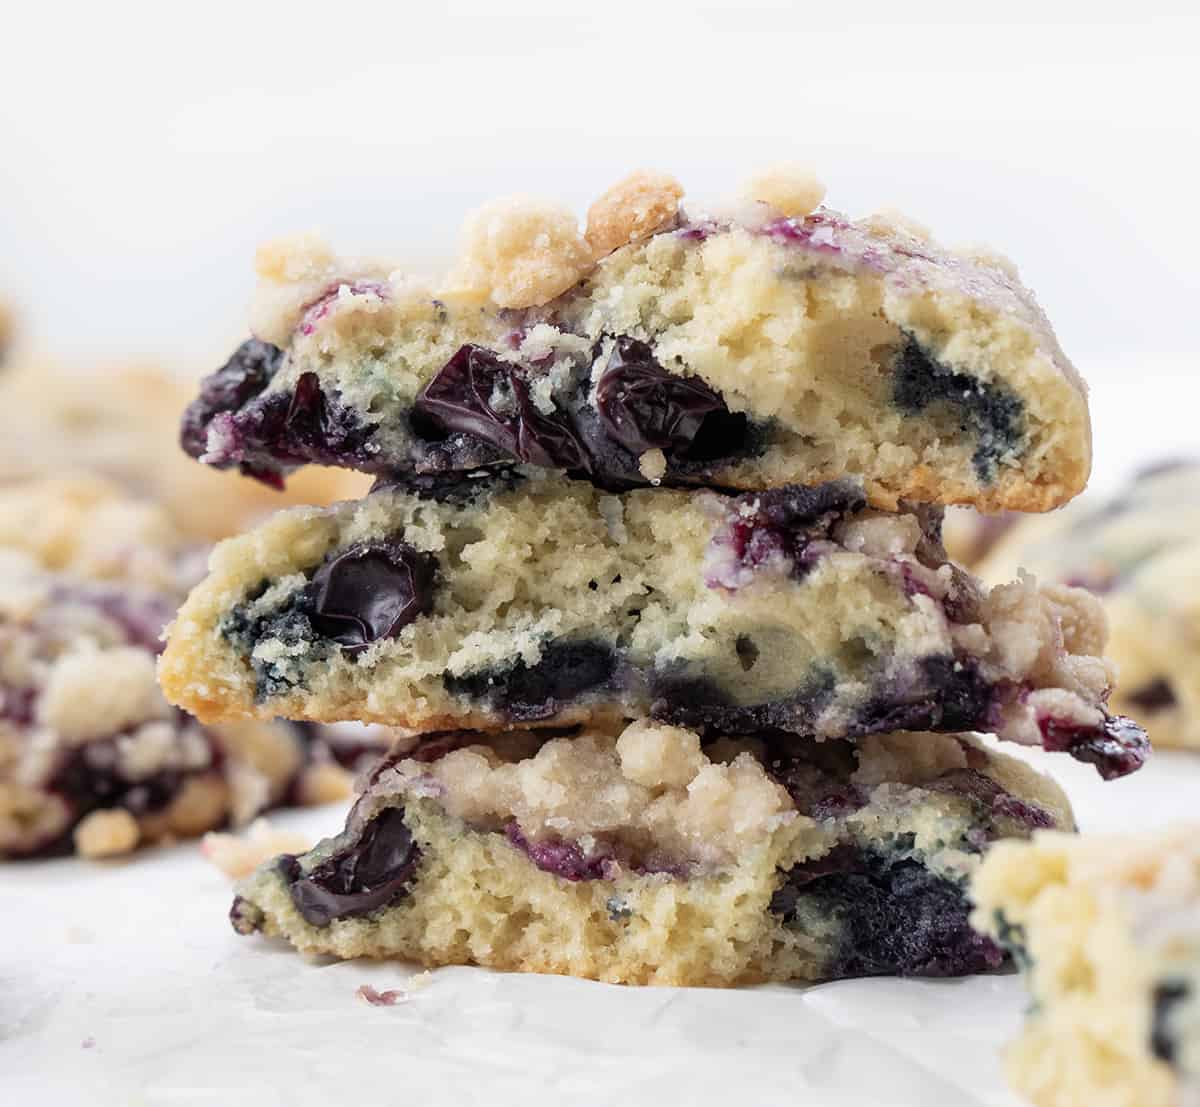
[1139,551]
[1107,931]
[516,600]
[92,758]
[123,425]
[647,858]
[772,343]
[7,332]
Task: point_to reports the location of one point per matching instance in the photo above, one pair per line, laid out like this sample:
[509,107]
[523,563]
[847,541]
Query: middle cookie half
[513,601]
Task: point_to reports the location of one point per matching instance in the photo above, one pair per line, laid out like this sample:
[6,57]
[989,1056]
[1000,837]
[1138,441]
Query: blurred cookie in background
[1139,550]
[123,424]
[93,760]
[968,534]
[8,331]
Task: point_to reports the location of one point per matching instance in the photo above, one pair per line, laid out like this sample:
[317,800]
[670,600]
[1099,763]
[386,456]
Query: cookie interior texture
[745,351]
[486,604]
[645,857]
[1138,549]
[1104,928]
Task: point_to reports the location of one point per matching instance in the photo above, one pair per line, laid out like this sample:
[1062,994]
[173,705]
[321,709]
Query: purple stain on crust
[319,308]
[561,858]
[1117,746]
[816,232]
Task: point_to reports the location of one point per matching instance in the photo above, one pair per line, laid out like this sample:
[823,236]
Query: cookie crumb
[792,190]
[297,257]
[633,209]
[380,999]
[653,466]
[106,833]
[239,855]
[420,982]
[519,252]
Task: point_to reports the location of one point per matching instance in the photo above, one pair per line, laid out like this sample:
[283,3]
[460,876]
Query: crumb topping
[792,190]
[519,252]
[633,209]
[653,785]
[92,694]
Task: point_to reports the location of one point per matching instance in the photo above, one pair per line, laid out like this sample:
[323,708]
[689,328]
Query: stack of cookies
[652,579]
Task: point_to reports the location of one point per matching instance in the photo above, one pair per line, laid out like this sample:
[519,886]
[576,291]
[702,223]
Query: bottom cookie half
[645,857]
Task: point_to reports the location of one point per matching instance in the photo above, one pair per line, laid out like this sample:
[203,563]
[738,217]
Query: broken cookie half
[771,342]
[645,856]
[496,603]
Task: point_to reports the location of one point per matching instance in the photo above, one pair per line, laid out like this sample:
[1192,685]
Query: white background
[145,150]
[148,147]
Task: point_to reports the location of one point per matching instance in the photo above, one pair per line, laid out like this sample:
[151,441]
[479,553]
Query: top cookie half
[774,343]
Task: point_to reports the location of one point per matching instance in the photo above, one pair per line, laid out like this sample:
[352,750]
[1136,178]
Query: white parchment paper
[122,983]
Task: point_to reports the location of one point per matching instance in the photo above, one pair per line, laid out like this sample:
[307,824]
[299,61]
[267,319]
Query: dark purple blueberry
[266,433]
[478,393]
[361,877]
[1158,695]
[1167,996]
[783,522]
[993,414]
[645,407]
[244,916]
[896,918]
[371,591]
[245,375]
[563,859]
[1117,746]
[524,693]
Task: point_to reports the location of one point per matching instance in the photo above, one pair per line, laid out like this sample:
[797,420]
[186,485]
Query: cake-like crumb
[633,209]
[106,834]
[238,855]
[519,252]
[792,190]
